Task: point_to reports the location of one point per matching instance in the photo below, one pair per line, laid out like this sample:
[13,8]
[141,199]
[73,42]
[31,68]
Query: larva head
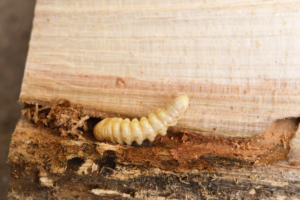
[177,107]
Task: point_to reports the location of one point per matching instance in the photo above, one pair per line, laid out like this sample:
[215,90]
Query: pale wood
[237,60]
[46,166]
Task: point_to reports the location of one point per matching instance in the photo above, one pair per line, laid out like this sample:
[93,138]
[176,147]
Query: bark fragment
[45,166]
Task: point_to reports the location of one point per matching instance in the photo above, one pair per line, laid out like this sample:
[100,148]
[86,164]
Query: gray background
[15,26]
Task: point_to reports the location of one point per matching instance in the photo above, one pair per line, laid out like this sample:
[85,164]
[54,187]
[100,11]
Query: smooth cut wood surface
[237,60]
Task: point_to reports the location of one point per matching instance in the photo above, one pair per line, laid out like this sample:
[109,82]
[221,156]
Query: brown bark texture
[46,165]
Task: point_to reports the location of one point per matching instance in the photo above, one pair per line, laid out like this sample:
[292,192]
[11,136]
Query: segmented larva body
[121,131]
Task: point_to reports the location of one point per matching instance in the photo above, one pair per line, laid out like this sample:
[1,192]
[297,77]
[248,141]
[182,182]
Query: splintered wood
[61,117]
[237,61]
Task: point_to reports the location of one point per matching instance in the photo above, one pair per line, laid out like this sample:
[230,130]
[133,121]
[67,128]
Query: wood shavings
[61,117]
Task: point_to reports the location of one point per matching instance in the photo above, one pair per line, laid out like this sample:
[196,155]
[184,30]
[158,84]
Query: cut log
[237,62]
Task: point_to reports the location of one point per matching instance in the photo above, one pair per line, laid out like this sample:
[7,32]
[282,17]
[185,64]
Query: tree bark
[44,165]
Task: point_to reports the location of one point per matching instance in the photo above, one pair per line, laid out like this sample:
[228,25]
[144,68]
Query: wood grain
[237,61]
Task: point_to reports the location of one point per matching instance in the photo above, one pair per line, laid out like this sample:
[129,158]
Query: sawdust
[61,117]
[185,150]
[178,149]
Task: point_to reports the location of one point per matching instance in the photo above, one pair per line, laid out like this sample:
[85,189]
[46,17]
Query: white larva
[121,131]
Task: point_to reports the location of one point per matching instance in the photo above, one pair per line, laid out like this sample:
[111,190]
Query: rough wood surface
[179,149]
[237,61]
[44,165]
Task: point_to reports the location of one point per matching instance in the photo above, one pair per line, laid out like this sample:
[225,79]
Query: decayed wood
[294,156]
[44,165]
[179,149]
[237,61]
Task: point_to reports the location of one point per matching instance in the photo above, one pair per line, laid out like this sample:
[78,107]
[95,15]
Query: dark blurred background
[15,27]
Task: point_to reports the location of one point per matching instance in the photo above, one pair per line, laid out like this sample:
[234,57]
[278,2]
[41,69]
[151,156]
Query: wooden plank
[44,165]
[237,61]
